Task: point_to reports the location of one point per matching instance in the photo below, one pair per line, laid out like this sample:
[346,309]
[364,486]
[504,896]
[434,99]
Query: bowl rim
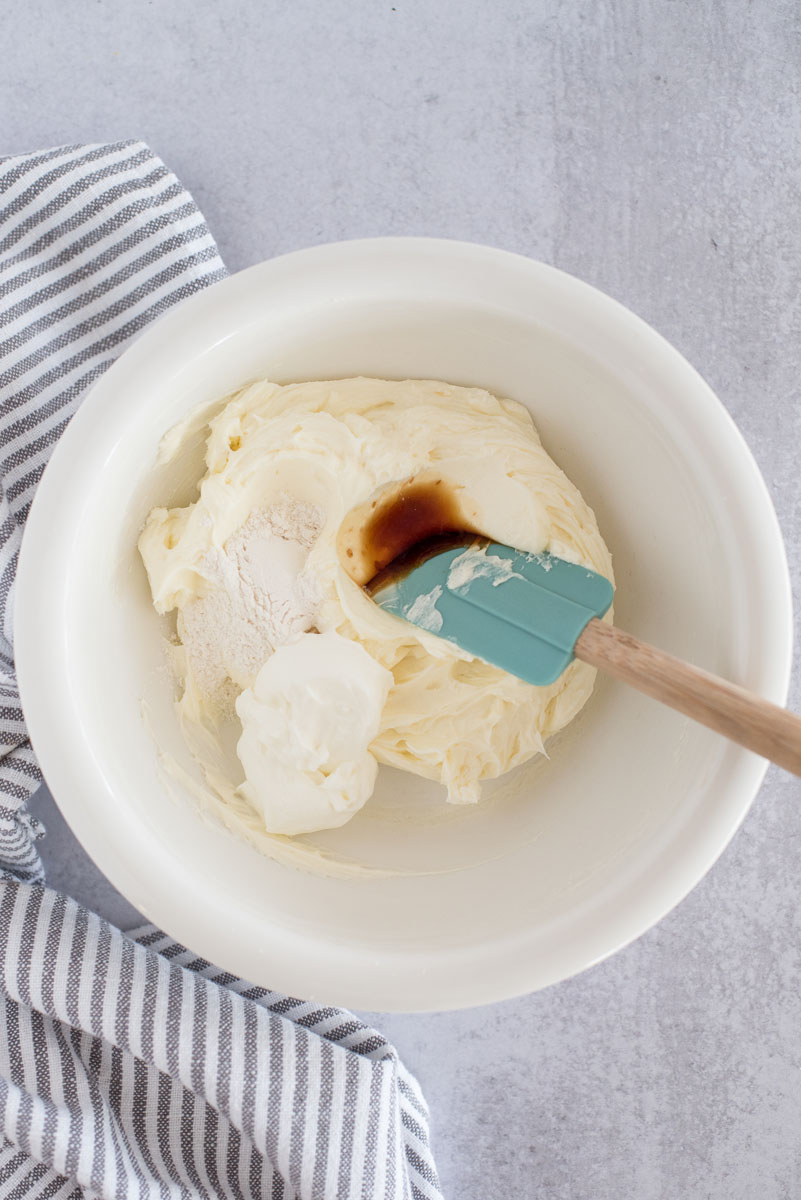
[449,980]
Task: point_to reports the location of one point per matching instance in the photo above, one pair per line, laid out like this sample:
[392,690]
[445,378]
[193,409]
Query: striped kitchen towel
[128,1066]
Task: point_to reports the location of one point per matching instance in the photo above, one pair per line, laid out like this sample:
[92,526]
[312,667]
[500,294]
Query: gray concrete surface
[652,147]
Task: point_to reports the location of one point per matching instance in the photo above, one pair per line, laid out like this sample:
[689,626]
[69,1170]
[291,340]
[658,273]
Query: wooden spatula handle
[739,715]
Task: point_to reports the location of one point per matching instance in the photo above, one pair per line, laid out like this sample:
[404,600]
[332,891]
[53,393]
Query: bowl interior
[568,857]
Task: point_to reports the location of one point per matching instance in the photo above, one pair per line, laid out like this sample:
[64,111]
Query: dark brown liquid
[420,512]
[412,557]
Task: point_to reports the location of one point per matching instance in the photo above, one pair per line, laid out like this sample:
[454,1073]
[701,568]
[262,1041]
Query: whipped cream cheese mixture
[283,652]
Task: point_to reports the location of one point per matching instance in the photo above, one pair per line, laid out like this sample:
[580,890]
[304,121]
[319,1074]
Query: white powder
[261,596]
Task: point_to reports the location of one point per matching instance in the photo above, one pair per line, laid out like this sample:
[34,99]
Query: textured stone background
[652,147]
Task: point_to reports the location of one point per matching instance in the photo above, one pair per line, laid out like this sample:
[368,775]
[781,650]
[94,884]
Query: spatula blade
[521,612]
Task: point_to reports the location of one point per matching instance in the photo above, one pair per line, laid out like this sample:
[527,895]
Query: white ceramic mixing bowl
[568,859]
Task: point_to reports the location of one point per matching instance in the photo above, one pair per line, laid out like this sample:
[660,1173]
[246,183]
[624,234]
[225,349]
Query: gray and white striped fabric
[128,1066]
[95,241]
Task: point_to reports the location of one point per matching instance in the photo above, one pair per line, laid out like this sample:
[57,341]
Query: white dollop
[307,723]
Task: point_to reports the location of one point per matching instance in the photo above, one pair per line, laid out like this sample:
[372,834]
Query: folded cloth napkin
[128,1066]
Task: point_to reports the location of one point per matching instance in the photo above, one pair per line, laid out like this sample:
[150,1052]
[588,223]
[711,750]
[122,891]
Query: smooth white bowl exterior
[577,855]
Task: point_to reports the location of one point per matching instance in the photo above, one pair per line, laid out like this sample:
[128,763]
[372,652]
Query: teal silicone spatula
[532,614]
